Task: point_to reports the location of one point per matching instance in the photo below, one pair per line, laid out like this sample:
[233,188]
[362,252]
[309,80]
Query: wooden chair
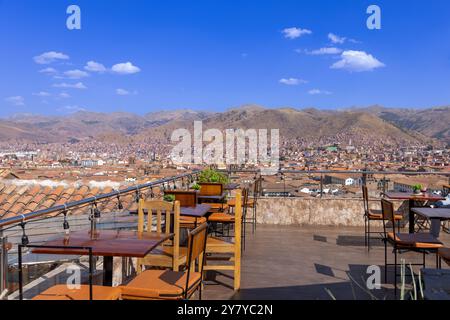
[418,242]
[187,198]
[220,246]
[168,284]
[63,292]
[169,254]
[373,215]
[213,189]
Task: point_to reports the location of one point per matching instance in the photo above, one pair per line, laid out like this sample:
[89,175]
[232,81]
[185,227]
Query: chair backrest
[387,208]
[211,189]
[196,252]
[257,188]
[365,193]
[186,198]
[167,216]
[244,201]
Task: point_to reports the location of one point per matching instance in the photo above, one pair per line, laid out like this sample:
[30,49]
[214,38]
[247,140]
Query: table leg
[435,227]
[107,271]
[411,216]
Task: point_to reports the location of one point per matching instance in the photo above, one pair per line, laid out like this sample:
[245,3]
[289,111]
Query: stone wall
[313,211]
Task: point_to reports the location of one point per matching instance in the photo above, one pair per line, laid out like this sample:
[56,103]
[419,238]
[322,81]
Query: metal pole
[321,185]
[3,266]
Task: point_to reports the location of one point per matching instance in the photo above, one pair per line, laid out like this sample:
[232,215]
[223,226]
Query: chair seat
[167,251]
[232,203]
[378,215]
[218,207]
[160,284]
[415,240]
[444,253]
[62,292]
[221,217]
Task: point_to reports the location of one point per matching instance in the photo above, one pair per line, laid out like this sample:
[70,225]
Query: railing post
[3,266]
[321,185]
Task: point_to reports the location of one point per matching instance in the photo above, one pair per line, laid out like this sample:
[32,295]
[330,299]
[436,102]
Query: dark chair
[423,243]
[373,215]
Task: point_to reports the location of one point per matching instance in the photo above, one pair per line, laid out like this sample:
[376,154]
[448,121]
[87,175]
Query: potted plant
[211,175]
[417,188]
[195,186]
[169,197]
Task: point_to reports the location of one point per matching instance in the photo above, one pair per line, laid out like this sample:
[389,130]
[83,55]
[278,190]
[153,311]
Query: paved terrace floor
[296,262]
[302,262]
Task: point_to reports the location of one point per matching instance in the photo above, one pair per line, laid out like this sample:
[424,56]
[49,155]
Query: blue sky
[212,55]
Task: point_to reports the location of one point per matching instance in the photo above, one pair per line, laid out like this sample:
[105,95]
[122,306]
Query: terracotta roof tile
[34,190]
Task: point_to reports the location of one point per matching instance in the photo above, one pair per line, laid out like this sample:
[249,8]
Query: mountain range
[375,123]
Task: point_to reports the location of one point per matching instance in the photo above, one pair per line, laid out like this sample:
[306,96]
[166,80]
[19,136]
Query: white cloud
[78,85]
[293,33]
[323,51]
[49,57]
[292,81]
[318,91]
[125,68]
[71,109]
[64,95]
[336,39]
[93,66]
[357,61]
[16,100]
[76,74]
[42,94]
[48,71]
[122,92]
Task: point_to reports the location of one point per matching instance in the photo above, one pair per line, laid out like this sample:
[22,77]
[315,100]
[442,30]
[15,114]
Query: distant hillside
[360,125]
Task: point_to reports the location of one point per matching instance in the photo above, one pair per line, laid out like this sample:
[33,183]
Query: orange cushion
[160,284]
[221,217]
[415,240]
[378,215]
[184,219]
[62,292]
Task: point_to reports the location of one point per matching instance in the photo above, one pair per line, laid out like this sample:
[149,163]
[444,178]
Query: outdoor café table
[216,198]
[412,198]
[231,186]
[108,244]
[435,215]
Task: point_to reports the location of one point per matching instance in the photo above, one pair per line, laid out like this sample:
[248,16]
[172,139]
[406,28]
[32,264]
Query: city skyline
[210,56]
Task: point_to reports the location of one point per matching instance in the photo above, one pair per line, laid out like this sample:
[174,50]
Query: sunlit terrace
[299,247]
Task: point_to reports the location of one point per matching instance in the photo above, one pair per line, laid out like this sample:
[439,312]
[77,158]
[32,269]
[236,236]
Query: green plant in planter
[417,188]
[195,186]
[169,197]
[210,175]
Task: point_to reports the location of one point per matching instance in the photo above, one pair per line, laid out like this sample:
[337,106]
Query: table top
[115,243]
[231,186]
[200,210]
[433,213]
[412,196]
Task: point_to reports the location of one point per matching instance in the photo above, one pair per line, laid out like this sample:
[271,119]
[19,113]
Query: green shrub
[210,175]
[169,197]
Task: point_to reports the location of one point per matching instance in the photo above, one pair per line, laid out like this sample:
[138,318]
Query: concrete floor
[303,262]
[295,263]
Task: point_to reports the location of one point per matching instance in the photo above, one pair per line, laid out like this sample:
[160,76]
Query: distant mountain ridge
[377,123]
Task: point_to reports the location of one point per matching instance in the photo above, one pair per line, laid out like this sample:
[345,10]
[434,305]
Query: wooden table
[435,215]
[215,198]
[108,244]
[231,186]
[411,198]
